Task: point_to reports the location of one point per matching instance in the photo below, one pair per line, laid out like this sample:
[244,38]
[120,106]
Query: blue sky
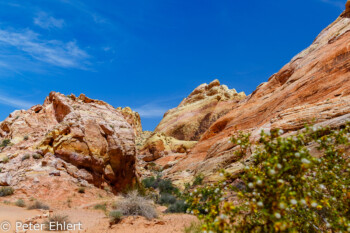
[148,54]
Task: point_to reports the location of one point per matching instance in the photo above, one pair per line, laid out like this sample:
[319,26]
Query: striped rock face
[314,87]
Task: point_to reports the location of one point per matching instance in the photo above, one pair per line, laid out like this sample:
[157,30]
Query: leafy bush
[115,216]
[20,203]
[25,138]
[6,191]
[36,156]
[164,185]
[25,157]
[81,190]
[166,198]
[101,207]
[179,206]
[150,182]
[37,205]
[6,159]
[198,180]
[285,188]
[135,205]
[57,223]
[5,143]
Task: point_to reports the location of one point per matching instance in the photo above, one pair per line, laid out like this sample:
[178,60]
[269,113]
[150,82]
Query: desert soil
[95,221]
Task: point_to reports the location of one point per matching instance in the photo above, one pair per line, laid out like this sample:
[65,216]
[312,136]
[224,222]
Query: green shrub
[135,205]
[37,156]
[284,188]
[198,180]
[6,159]
[102,207]
[81,190]
[37,205]
[150,182]
[25,157]
[164,185]
[5,143]
[179,206]
[166,198]
[25,138]
[115,216]
[6,191]
[20,203]
[57,223]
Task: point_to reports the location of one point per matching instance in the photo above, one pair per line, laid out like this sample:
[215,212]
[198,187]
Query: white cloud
[151,111]
[13,102]
[337,3]
[54,52]
[48,22]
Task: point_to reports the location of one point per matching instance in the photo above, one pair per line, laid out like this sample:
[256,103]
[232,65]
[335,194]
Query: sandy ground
[95,221]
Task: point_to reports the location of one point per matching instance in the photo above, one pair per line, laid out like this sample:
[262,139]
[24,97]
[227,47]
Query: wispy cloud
[48,22]
[82,7]
[151,111]
[337,3]
[14,102]
[55,52]
[157,107]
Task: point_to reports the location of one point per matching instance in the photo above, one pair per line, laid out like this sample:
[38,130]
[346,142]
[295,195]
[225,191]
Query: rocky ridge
[198,111]
[314,88]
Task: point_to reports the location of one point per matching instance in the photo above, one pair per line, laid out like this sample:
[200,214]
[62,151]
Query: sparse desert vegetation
[37,156]
[60,223]
[284,188]
[135,205]
[6,191]
[20,203]
[38,205]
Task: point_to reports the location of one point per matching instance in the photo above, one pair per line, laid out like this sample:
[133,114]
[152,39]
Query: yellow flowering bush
[283,188]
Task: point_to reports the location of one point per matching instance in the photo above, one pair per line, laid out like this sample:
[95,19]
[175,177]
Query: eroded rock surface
[313,88]
[89,134]
[133,118]
[198,111]
[159,145]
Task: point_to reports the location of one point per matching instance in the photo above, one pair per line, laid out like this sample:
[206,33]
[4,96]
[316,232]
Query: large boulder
[198,111]
[89,134]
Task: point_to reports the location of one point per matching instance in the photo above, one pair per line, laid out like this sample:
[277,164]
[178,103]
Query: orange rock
[313,88]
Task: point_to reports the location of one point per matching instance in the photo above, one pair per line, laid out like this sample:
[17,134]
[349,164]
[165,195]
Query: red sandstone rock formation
[313,88]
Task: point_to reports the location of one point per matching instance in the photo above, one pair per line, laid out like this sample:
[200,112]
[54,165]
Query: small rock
[55,173]
[159,222]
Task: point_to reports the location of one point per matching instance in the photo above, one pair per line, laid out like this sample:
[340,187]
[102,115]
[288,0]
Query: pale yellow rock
[198,111]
